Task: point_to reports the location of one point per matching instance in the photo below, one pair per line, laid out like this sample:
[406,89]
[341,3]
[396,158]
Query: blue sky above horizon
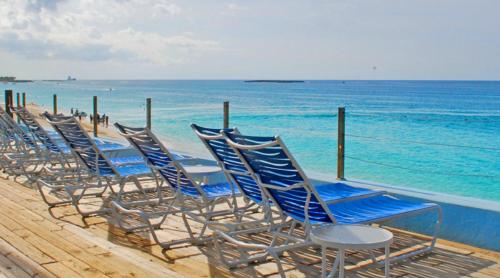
[166,39]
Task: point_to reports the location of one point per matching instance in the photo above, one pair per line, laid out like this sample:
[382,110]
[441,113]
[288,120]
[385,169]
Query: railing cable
[422,171]
[386,139]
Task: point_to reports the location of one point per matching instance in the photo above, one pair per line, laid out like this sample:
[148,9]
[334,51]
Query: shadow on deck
[34,241]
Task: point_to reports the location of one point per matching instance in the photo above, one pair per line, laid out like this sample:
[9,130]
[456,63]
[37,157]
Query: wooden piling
[24,99]
[226,114]
[8,102]
[55,104]
[18,104]
[95,120]
[148,113]
[341,143]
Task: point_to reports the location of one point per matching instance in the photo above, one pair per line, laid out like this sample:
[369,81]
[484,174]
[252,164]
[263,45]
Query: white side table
[357,237]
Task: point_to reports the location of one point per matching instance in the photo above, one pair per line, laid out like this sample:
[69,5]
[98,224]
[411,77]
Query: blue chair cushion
[108,146]
[212,190]
[64,148]
[130,159]
[338,191]
[374,209]
[135,169]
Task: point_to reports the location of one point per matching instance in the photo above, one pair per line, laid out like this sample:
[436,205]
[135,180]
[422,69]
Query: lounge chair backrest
[229,160]
[35,128]
[16,132]
[281,177]
[158,157]
[8,134]
[81,144]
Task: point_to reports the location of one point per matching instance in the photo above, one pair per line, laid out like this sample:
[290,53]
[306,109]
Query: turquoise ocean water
[385,123]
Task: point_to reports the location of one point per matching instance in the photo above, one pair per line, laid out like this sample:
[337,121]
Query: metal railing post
[54,104]
[148,113]
[18,104]
[95,120]
[226,114]
[8,101]
[341,143]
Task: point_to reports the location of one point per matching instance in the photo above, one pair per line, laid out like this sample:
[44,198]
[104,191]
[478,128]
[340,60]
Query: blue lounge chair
[21,154]
[101,171]
[286,185]
[236,172]
[57,149]
[192,198]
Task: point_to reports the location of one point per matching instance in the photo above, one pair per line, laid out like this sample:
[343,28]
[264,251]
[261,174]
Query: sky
[280,39]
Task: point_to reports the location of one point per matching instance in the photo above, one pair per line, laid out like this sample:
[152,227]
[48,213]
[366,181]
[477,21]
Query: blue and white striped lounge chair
[192,197]
[62,166]
[286,185]
[102,172]
[236,171]
[21,154]
[57,149]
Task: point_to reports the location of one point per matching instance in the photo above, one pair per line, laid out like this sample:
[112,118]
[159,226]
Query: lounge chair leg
[281,271]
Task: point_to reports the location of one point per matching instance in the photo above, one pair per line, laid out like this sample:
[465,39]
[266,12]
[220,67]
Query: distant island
[12,79]
[60,80]
[276,81]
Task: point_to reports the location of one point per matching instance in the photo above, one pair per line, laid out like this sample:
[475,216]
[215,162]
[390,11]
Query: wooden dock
[58,243]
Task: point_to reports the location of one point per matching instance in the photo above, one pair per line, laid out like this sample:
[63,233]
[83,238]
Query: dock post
[18,104]
[95,121]
[55,104]
[24,99]
[226,114]
[341,143]
[148,113]
[8,102]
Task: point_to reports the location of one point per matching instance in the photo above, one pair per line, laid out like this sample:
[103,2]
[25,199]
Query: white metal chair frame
[274,251]
[201,209]
[93,179]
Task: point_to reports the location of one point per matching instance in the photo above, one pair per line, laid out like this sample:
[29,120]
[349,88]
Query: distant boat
[70,78]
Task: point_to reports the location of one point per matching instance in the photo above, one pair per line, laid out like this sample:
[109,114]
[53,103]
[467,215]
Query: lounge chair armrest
[120,208]
[241,244]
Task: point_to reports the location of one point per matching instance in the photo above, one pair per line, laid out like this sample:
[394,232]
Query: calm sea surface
[385,120]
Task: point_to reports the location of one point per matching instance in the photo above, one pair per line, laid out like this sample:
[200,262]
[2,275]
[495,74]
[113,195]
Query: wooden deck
[36,242]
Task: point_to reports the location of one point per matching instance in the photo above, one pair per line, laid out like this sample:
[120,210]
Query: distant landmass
[276,81]
[12,79]
[60,80]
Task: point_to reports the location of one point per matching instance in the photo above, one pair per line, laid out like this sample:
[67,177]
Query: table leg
[387,261]
[323,261]
[341,264]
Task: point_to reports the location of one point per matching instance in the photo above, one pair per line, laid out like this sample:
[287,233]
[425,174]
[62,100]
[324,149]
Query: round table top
[351,236]
[201,169]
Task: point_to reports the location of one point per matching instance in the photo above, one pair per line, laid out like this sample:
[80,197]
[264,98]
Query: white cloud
[94,30]
[232,9]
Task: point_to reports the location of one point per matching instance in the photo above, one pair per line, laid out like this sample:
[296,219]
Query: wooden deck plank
[24,247]
[54,246]
[17,257]
[74,245]
[10,269]
[59,267]
[55,242]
